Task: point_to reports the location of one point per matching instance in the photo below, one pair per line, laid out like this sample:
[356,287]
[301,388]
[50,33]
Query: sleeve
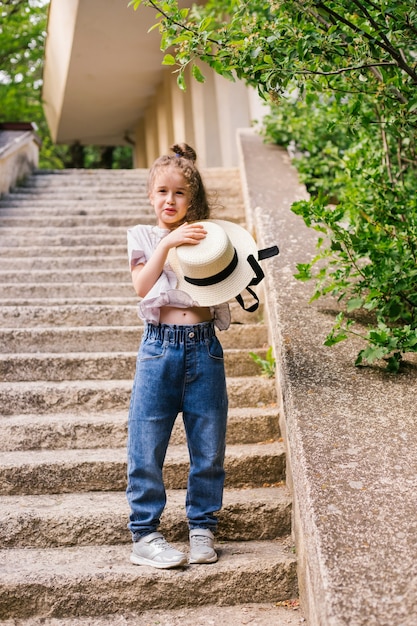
[136,246]
[221,315]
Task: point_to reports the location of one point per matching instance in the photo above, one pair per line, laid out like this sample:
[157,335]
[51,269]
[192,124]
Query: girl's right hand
[186,233]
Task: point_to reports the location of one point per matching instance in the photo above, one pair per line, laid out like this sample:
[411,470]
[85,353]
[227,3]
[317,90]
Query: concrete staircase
[68,343]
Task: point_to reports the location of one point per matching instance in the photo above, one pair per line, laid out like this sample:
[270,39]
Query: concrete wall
[350,433]
[19,156]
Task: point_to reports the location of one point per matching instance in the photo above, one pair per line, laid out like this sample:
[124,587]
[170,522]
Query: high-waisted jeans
[178,369]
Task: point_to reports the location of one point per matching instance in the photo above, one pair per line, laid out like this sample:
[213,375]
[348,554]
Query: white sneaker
[202,546]
[154,550]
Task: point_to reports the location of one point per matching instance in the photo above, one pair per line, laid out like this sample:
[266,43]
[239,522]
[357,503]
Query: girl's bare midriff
[184,317]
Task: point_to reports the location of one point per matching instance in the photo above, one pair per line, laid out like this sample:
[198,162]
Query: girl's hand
[144,276]
[186,233]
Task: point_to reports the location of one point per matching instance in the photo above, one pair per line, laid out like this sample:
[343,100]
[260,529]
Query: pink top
[141,242]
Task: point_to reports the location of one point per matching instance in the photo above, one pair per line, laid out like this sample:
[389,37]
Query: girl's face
[170,197]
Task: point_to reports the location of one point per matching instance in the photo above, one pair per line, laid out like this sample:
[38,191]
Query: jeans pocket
[215,349]
[151,350]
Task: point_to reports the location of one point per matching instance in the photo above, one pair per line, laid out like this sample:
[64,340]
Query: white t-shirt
[141,242]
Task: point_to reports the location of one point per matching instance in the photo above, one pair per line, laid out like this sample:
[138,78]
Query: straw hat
[217,268]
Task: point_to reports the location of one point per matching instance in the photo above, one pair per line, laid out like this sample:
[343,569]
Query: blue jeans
[178,369]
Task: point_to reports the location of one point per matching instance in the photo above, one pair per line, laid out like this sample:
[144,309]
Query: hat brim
[233,285]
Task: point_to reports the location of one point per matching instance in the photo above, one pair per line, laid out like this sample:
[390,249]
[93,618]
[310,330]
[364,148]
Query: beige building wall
[58,51]
[182,119]
[206,116]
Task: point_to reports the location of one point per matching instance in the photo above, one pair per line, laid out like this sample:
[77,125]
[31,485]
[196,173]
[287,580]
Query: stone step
[33,472]
[67,208]
[101,365]
[68,238]
[100,186]
[100,233]
[17,251]
[78,186]
[218,175]
[89,312]
[282,613]
[75,219]
[78,190]
[96,395]
[90,177]
[115,199]
[76,276]
[50,521]
[119,196]
[73,214]
[99,580]
[18,209]
[61,339]
[22,303]
[76,208]
[95,190]
[78,203]
[10,291]
[59,313]
[59,176]
[109,429]
[97,222]
[60,263]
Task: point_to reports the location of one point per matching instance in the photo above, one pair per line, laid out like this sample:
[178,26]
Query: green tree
[22,47]
[22,37]
[349,68]
[22,41]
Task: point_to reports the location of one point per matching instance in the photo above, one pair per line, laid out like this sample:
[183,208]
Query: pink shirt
[141,242]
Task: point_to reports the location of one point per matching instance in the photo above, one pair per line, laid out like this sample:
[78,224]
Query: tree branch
[179,24]
[409,24]
[385,148]
[374,23]
[381,44]
[348,69]
[332,17]
[396,92]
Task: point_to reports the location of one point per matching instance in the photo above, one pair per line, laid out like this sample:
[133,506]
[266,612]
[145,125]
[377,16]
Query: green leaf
[332,339]
[268,365]
[205,23]
[181,81]
[154,27]
[354,303]
[394,362]
[304,272]
[198,75]
[168,60]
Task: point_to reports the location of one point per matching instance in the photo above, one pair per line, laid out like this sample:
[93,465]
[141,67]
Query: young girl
[179,368]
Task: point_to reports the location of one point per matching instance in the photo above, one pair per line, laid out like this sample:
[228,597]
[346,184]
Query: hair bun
[185,151]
